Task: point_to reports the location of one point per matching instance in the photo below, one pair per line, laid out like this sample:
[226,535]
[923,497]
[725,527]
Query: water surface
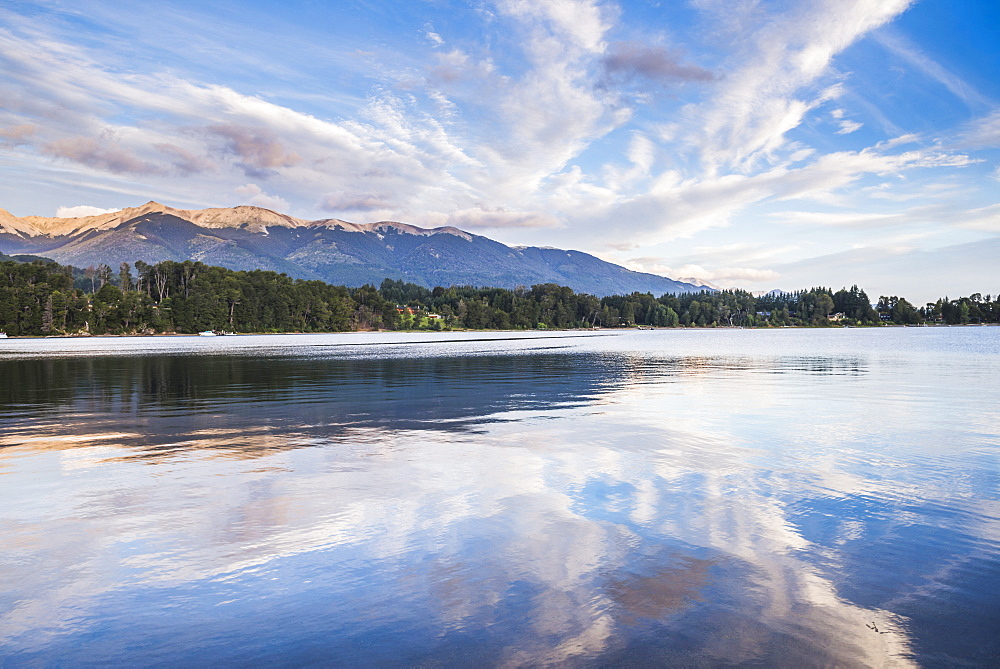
[694,498]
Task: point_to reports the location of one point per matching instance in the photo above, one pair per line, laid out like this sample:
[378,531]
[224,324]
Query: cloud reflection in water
[518,509]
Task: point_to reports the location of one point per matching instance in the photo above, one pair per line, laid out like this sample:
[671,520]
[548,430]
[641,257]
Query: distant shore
[460,330]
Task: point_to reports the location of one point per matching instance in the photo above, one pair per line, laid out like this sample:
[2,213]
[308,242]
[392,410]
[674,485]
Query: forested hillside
[44,298]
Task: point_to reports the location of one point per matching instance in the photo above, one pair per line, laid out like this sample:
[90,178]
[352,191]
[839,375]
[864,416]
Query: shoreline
[439,332]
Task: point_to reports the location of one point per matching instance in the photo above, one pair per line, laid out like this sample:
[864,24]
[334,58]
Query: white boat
[206,333]
[3,335]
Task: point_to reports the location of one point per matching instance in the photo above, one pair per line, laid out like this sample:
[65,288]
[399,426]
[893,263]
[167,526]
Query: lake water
[664,498]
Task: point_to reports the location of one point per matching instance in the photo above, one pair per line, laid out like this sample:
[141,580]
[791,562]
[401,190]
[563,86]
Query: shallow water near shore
[677,498]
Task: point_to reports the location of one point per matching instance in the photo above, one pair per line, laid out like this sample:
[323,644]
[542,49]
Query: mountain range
[332,250]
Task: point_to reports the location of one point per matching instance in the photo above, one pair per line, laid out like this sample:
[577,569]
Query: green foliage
[897,310]
[43,298]
[855,305]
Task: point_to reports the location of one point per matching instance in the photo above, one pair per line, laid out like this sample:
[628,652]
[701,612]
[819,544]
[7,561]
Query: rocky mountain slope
[332,250]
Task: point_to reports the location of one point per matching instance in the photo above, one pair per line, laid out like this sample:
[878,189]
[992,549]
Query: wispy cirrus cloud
[902,47]
[767,95]
[983,132]
[985,218]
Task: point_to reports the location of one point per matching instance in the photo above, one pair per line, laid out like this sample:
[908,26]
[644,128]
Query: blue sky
[748,143]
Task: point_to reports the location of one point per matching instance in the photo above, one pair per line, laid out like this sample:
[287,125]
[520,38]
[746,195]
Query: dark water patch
[954,619]
[163,401]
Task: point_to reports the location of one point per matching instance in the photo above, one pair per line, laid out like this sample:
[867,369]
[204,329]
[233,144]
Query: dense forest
[40,297]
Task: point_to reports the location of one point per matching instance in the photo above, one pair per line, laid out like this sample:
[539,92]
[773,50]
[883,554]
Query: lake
[785,498]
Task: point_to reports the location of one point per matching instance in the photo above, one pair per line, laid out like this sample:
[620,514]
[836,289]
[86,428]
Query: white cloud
[757,253]
[983,132]
[933,216]
[694,273]
[849,219]
[457,66]
[847,127]
[259,198]
[80,210]
[898,141]
[434,38]
[552,113]
[983,218]
[355,201]
[673,207]
[583,22]
[479,217]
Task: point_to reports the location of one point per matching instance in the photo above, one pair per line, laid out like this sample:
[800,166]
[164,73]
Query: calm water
[612,499]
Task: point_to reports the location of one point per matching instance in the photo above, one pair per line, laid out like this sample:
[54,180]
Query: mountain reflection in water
[585,502]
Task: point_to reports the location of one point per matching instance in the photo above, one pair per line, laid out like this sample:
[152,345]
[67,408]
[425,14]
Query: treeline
[43,298]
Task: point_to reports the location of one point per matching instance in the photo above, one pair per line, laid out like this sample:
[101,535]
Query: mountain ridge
[336,251]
